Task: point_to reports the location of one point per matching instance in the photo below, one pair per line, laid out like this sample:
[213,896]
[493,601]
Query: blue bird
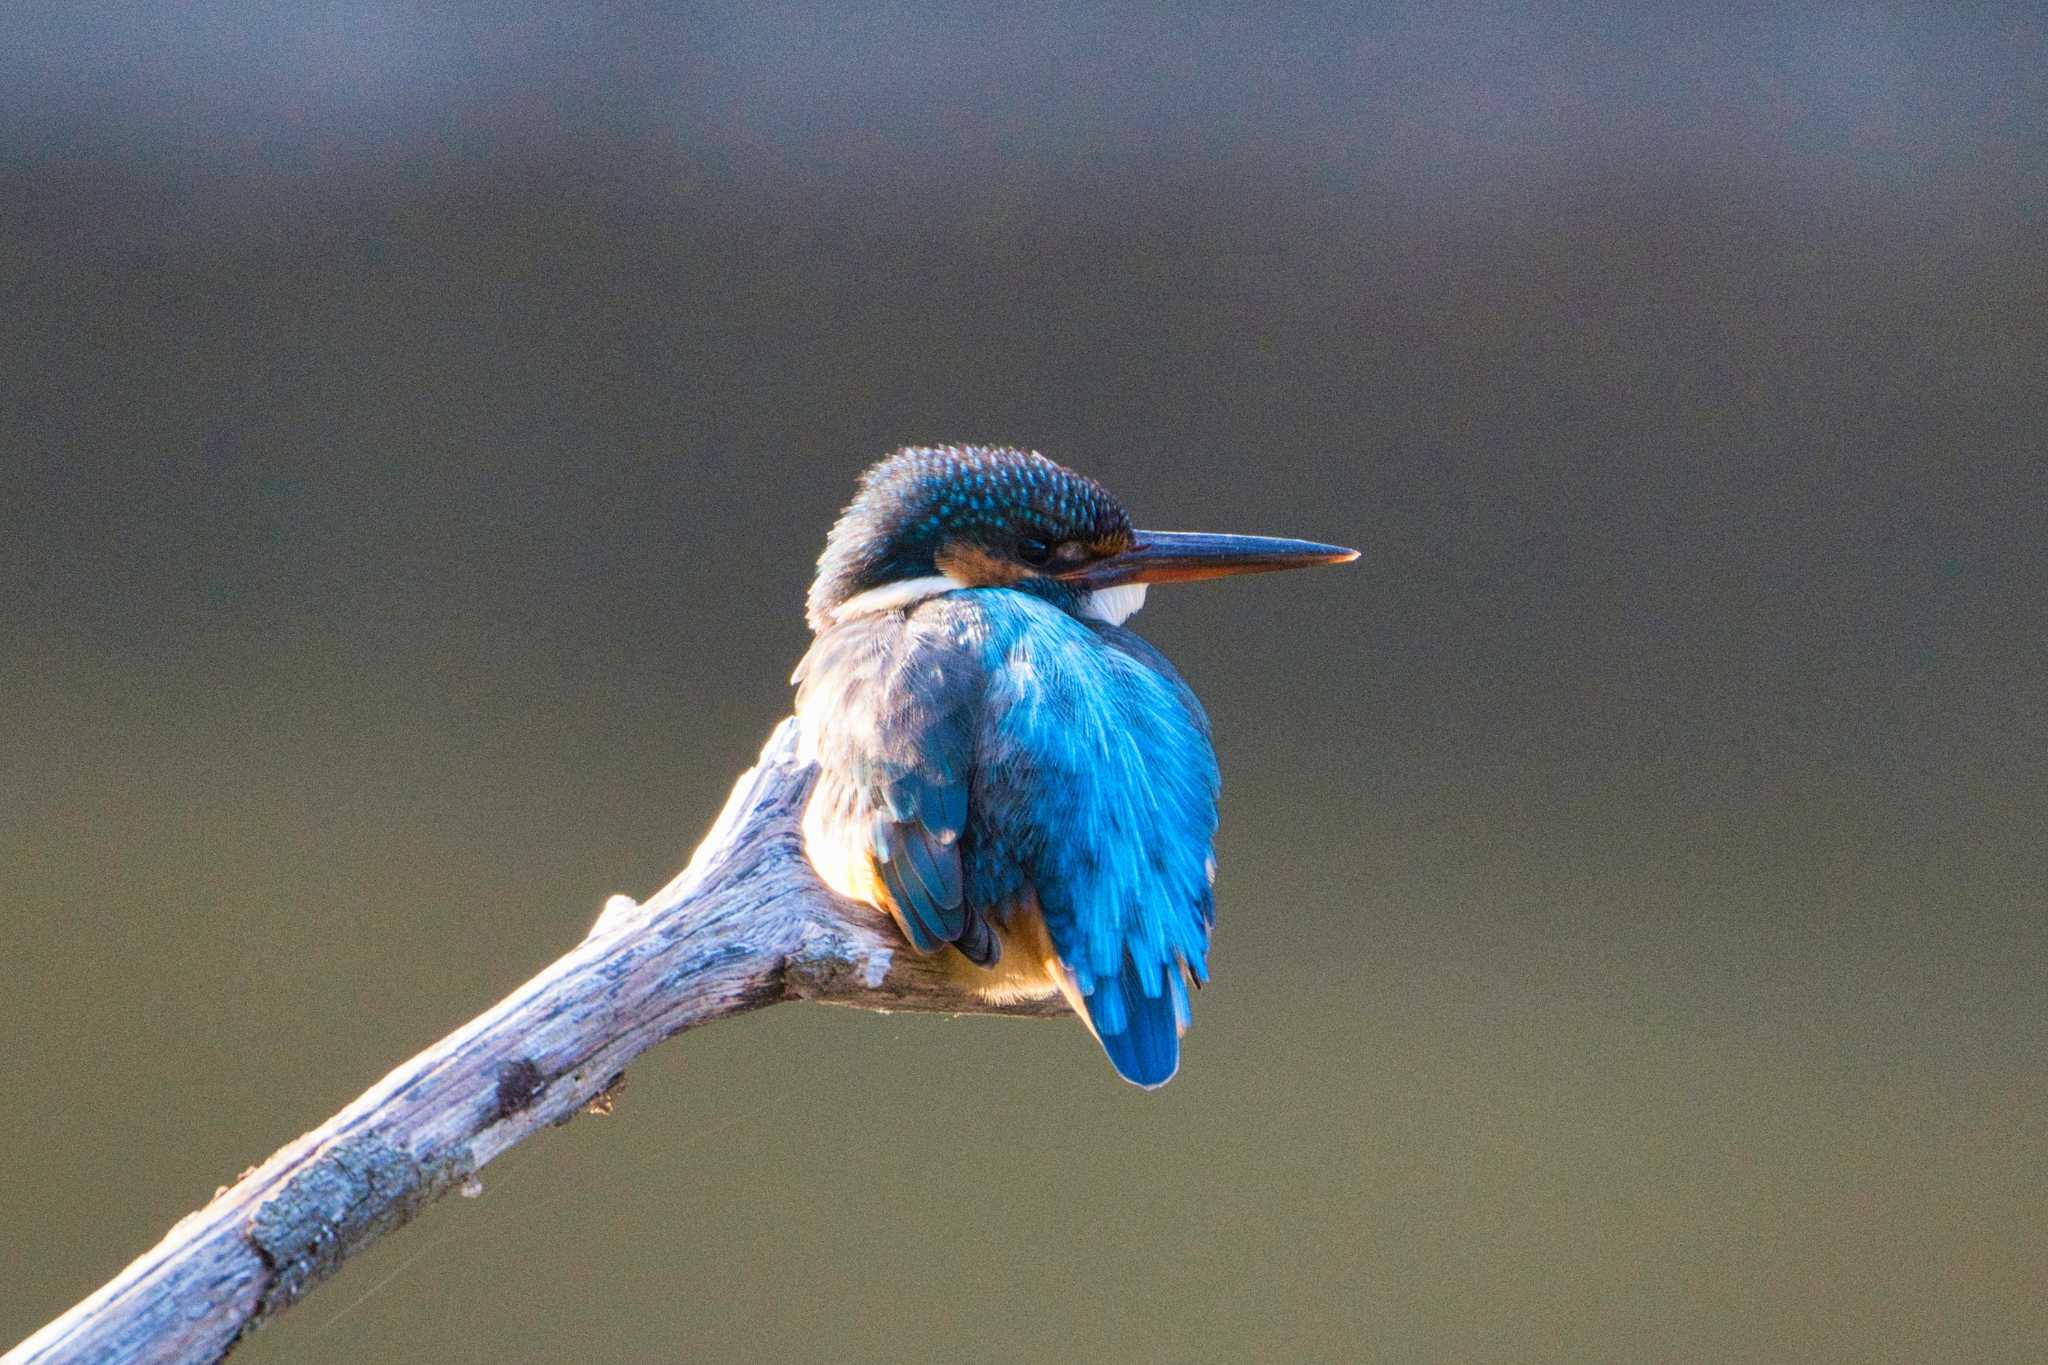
[1004,768]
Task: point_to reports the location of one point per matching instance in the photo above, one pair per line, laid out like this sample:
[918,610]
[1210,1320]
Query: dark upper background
[415,435]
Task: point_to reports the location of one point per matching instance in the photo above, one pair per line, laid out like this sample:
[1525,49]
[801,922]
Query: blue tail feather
[1146,1050]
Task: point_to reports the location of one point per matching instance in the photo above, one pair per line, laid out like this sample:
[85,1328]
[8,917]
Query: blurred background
[416,429]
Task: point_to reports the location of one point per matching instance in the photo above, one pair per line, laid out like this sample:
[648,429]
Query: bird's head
[930,519]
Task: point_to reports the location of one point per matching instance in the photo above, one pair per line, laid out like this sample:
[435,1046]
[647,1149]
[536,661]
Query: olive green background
[415,434]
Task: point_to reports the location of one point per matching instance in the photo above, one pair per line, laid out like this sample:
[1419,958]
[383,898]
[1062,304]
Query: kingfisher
[1017,779]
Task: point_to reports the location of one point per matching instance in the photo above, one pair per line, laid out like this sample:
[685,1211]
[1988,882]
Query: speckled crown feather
[911,504]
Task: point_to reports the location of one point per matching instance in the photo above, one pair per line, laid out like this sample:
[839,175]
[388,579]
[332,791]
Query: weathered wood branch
[746,924]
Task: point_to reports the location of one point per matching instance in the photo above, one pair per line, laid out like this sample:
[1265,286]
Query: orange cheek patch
[977,567]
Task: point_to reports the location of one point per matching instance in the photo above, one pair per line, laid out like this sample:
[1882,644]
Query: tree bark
[746,924]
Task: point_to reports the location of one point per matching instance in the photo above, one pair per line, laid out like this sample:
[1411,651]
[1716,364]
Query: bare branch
[746,924]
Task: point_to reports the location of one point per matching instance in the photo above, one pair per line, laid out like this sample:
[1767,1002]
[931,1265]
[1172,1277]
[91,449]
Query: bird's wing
[1096,782]
[888,705]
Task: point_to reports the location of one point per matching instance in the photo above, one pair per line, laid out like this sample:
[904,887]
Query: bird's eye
[1034,551]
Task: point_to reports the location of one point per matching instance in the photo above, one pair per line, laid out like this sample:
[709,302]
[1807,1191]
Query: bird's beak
[1183,556]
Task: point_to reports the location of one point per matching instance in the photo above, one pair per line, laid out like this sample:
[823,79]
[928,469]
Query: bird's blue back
[999,753]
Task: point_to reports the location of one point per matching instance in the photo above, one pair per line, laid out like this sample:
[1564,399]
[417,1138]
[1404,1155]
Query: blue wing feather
[1096,778]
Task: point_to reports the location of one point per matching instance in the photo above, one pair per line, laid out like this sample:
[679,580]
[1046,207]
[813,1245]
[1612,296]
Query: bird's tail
[1139,1033]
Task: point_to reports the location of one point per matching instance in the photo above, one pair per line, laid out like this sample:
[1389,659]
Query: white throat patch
[1114,605]
[891,596]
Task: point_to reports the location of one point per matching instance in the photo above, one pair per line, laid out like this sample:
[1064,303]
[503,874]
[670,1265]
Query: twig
[746,924]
